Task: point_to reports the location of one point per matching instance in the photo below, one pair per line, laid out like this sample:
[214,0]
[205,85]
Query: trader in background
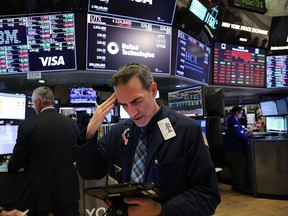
[176,160]
[236,146]
[44,147]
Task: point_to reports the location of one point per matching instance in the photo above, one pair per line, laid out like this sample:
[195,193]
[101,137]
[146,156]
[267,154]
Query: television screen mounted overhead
[113,41]
[37,43]
[192,58]
[277,71]
[243,27]
[82,95]
[159,11]
[278,40]
[237,65]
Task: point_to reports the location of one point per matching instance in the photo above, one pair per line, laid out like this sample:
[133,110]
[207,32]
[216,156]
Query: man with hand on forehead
[176,159]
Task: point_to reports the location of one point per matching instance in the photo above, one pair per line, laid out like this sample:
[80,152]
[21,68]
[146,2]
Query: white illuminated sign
[202,13]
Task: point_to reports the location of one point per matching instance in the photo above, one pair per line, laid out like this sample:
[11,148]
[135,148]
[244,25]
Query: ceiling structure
[20,83]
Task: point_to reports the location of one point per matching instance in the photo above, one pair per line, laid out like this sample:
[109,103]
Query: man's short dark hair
[130,70]
[236,109]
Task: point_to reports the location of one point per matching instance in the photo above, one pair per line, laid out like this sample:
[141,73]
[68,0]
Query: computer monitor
[203,124]
[8,136]
[276,124]
[188,101]
[282,106]
[123,113]
[268,108]
[12,106]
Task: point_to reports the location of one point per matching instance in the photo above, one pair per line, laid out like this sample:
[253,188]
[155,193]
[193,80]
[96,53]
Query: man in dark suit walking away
[44,147]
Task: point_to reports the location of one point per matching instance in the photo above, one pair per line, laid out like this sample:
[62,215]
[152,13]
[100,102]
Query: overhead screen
[243,27]
[37,43]
[278,41]
[277,71]
[192,58]
[237,65]
[82,95]
[111,42]
[160,11]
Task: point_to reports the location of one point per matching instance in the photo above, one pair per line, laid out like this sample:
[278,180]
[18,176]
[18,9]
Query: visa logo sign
[52,61]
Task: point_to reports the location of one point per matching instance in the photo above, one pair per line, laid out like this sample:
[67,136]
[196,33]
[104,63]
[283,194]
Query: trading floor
[238,204]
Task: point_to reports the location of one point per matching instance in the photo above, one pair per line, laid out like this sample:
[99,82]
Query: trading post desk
[268,164]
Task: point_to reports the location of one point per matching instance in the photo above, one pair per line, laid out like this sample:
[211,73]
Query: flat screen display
[276,123]
[8,136]
[236,65]
[243,27]
[160,11]
[209,12]
[192,58]
[123,113]
[257,6]
[12,106]
[282,106]
[188,101]
[30,111]
[268,108]
[202,123]
[277,71]
[112,42]
[37,43]
[82,95]
[278,40]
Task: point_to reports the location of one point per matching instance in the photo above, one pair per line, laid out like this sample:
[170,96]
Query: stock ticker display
[238,65]
[159,11]
[37,43]
[192,58]
[277,71]
[188,101]
[112,41]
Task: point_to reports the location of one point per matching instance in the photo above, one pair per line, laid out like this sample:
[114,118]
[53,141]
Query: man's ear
[153,89]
